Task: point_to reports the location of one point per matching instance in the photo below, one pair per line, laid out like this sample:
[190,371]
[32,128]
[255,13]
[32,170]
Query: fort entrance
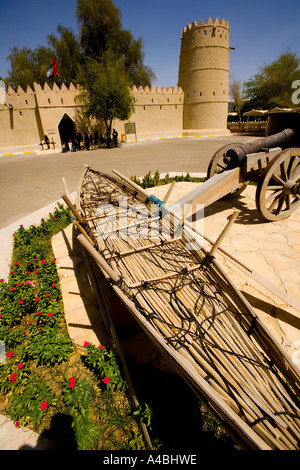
[66,128]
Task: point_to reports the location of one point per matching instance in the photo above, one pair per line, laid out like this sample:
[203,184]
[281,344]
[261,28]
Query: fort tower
[204,74]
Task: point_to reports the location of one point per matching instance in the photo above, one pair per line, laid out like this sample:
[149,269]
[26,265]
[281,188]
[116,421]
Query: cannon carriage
[272,162]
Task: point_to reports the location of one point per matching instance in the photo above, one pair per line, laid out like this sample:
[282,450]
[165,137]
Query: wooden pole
[73,209]
[98,258]
[224,233]
[67,192]
[169,192]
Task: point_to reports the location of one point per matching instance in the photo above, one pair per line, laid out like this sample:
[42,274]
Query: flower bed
[76,400]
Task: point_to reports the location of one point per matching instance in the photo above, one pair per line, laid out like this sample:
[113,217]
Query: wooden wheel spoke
[292,165]
[280,204]
[283,169]
[271,207]
[274,199]
[273,196]
[278,179]
[273,188]
[221,166]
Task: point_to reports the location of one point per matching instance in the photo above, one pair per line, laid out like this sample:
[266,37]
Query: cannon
[268,161]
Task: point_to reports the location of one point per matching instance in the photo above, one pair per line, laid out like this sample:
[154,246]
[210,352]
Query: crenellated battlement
[157,90]
[209,24]
[37,88]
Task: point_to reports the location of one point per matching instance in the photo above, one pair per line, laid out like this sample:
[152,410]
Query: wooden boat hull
[191,311]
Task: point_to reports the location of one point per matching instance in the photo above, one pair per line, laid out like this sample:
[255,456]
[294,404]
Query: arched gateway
[66,128]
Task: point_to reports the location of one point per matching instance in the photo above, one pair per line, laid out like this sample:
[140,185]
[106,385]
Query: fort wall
[18,118]
[199,102]
[157,109]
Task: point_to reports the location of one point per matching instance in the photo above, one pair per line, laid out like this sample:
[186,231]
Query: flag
[52,70]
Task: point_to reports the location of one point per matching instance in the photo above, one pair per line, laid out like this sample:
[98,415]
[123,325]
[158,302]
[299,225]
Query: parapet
[221,23]
[156,90]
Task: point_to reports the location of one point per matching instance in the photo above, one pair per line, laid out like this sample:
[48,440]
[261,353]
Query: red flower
[53,285]
[1,280]
[44,405]
[9,355]
[47,295]
[71,382]
[21,302]
[101,347]
[86,343]
[38,313]
[50,314]
[16,263]
[19,284]
[44,261]
[20,366]
[17,424]
[106,380]
[12,378]
[12,289]
[37,299]
[35,271]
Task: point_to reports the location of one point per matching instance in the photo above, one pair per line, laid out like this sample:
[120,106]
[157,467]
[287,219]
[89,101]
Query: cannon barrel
[235,155]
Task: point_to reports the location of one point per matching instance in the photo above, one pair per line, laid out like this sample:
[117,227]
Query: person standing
[86,141]
[115,137]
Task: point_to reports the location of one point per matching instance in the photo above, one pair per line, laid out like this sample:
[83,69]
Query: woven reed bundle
[193,313]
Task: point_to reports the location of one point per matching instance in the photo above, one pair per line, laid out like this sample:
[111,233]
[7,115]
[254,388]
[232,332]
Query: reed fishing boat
[189,308]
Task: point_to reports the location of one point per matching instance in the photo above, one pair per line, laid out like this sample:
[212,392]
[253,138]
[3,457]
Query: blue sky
[259,30]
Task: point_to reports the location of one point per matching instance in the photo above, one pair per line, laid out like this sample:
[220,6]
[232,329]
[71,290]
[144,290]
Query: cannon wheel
[218,166]
[276,193]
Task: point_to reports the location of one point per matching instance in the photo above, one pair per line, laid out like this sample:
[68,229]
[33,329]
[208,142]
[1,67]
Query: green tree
[99,21]
[67,52]
[105,90]
[101,31]
[236,94]
[28,66]
[272,87]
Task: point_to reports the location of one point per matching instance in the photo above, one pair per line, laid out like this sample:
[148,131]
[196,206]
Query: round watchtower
[204,74]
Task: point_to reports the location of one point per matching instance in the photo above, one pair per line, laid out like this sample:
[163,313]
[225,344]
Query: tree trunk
[108,132]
